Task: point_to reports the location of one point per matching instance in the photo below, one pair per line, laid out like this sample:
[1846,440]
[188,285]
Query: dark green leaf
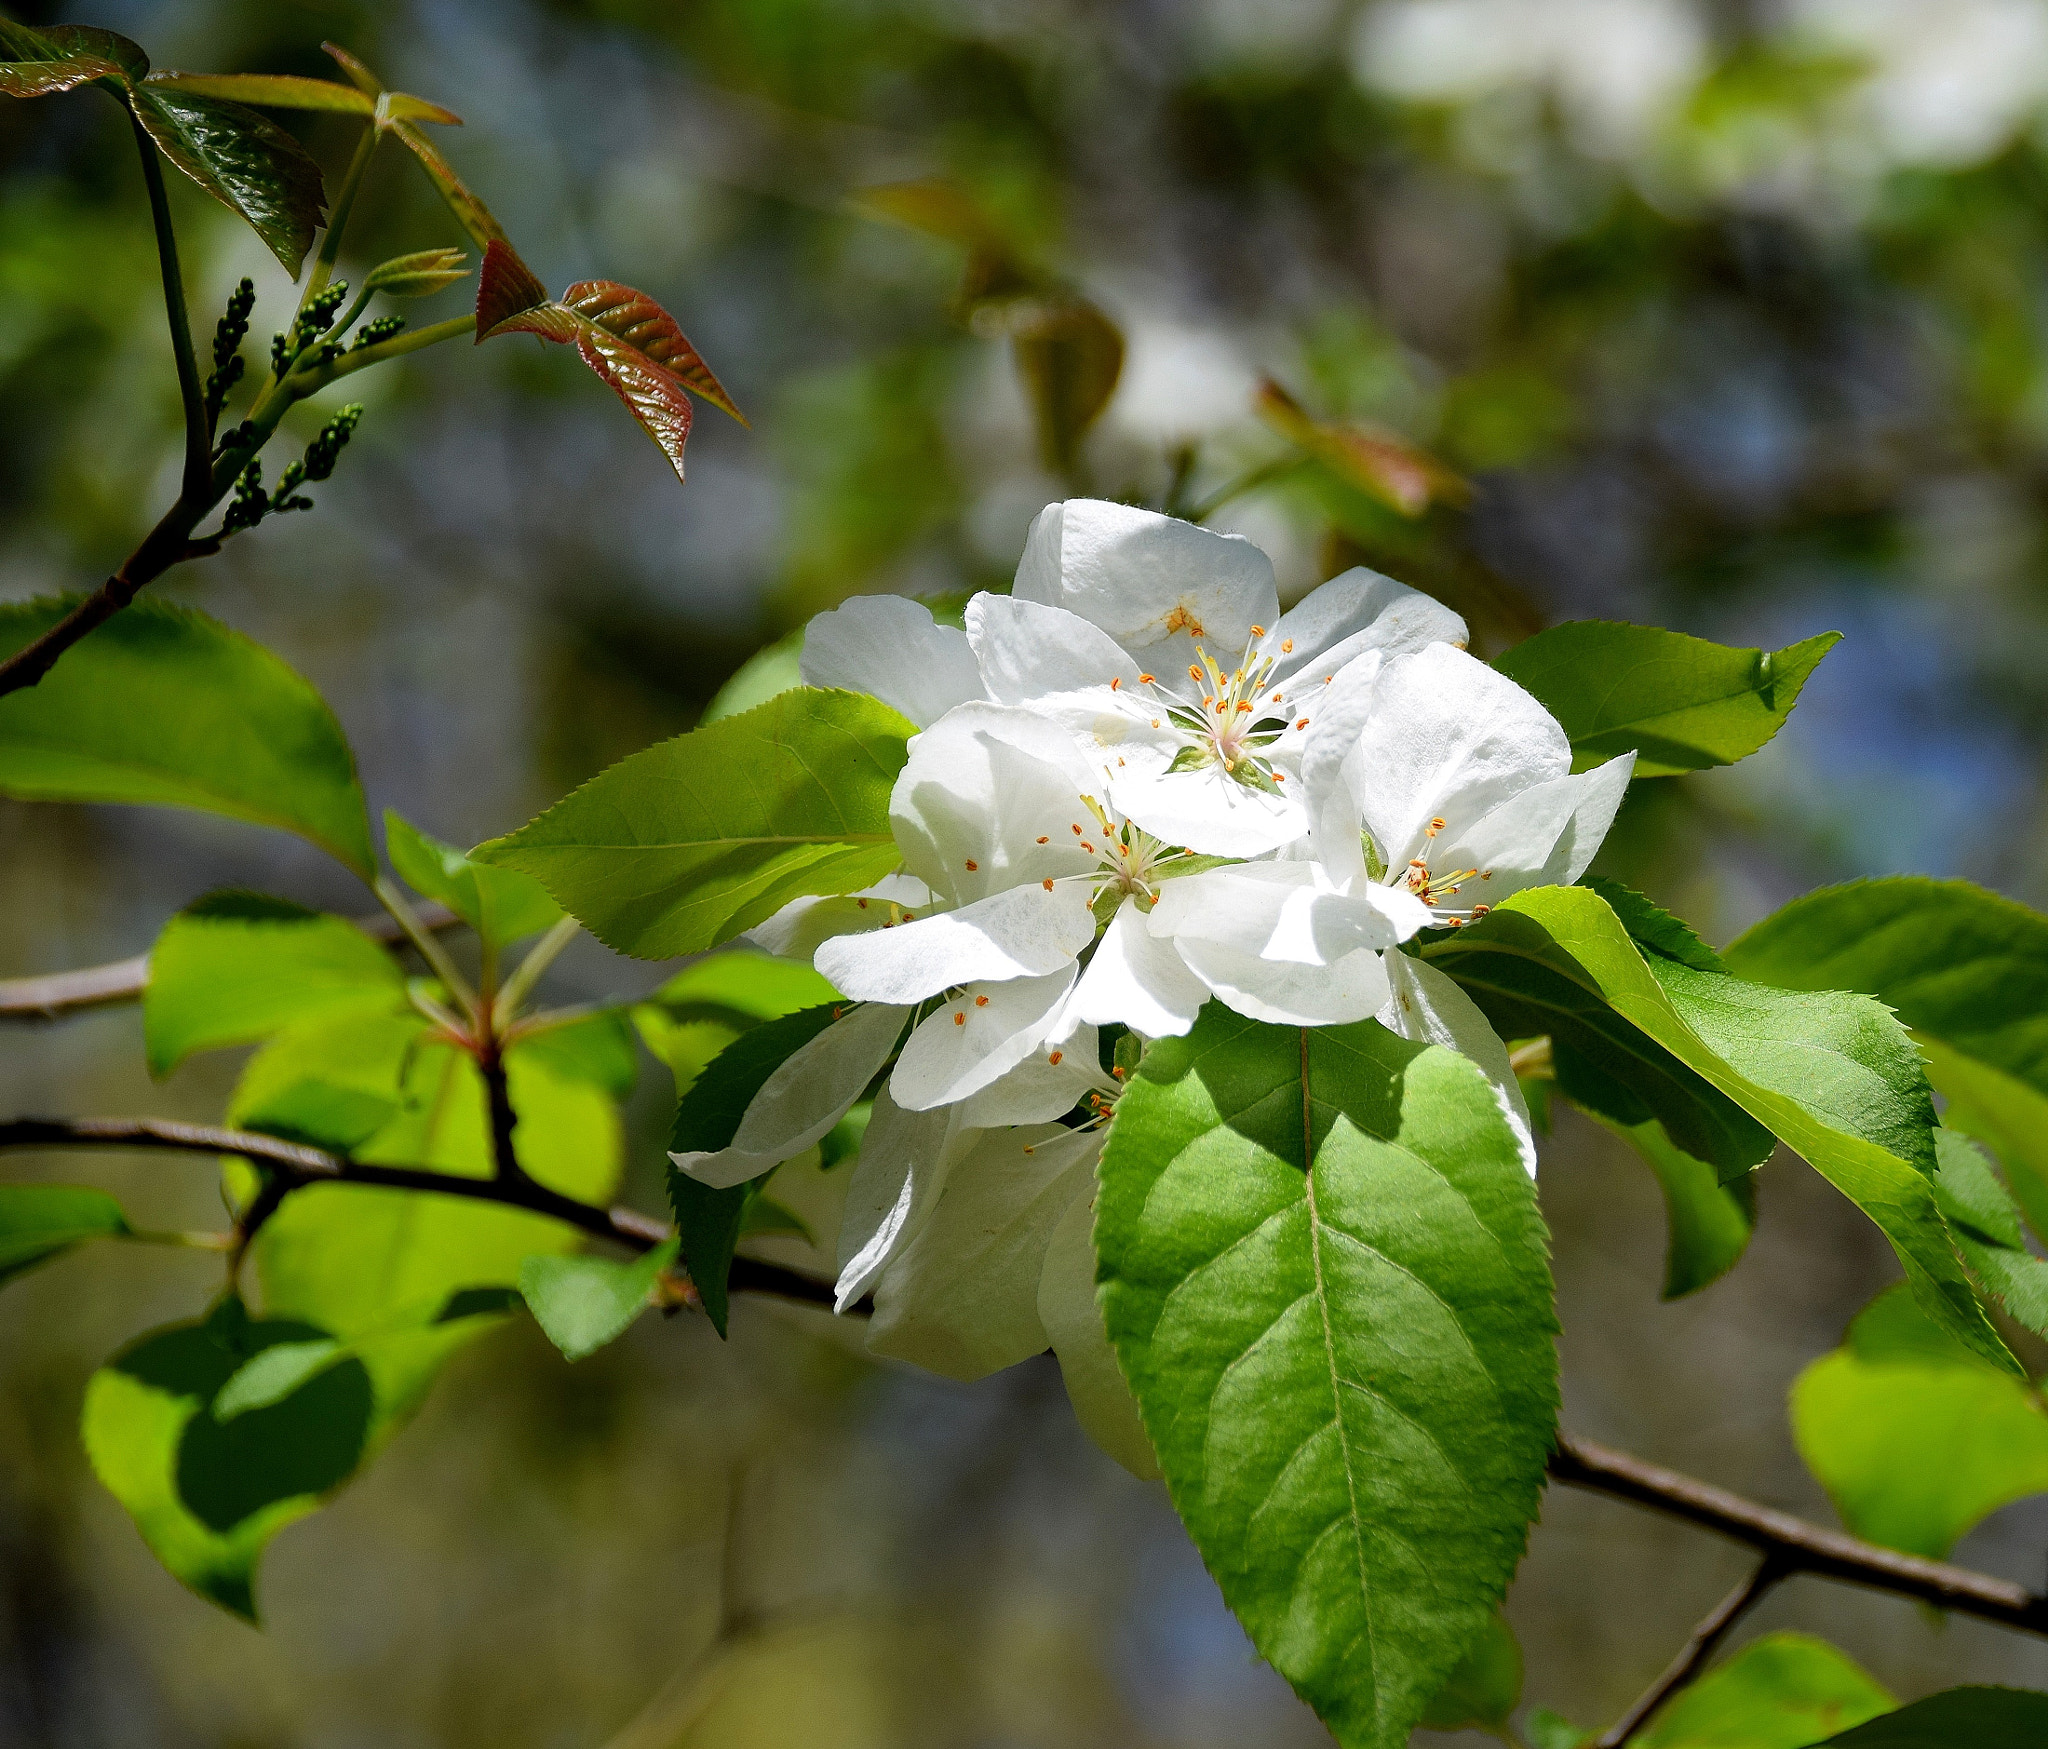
[1966,969]
[1783,1691]
[1326,1280]
[741,983]
[1915,1439]
[1679,703]
[1957,1718]
[1986,1224]
[41,1221]
[500,904]
[585,1302]
[247,163]
[1485,1688]
[60,57]
[1708,1223]
[684,845]
[236,967]
[208,720]
[1827,1078]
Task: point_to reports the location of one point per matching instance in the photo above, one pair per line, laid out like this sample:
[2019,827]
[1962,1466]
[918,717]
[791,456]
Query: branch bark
[1694,1654]
[53,994]
[1792,1543]
[301,1166]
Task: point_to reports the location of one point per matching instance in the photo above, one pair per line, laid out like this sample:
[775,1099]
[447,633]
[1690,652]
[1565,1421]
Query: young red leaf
[652,395]
[359,75]
[470,213]
[250,165]
[61,57]
[271,90]
[1388,468]
[506,292]
[644,326]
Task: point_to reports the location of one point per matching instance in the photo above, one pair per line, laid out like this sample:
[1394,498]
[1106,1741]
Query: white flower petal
[982,786]
[804,1098]
[1283,911]
[891,647]
[1542,837]
[1023,932]
[976,1036]
[800,927]
[1138,978]
[1329,759]
[961,1298]
[897,1177]
[1287,993]
[1148,580]
[1028,650]
[1207,810]
[1428,1007]
[1353,613]
[1447,736]
[1039,1090]
[1068,1309]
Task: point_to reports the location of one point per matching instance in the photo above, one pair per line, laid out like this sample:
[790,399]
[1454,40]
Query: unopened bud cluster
[228,334]
[251,503]
[312,322]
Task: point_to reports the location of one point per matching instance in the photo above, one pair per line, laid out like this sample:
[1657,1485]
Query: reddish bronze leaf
[510,300]
[359,75]
[652,395]
[644,326]
[471,213]
[1381,465]
[61,57]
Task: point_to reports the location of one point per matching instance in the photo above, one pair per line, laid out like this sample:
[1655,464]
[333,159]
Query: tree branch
[53,994]
[1792,1544]
[198,429]
[303,1166]
[1696,1651]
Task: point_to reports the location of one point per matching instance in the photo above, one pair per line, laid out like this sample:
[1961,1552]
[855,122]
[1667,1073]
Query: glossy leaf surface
[208,719]
[1327,1283]
[687,843]
[1981,1718]
[247,163]
[1678,703]
[61,57]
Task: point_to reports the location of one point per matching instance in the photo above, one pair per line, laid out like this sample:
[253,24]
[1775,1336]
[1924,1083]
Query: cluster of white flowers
[1137,786]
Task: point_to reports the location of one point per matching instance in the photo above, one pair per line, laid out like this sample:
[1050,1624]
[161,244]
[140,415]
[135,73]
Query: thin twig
[51,995]
[1796,1546]
[1692,1657]
[305,1166]
[198,428]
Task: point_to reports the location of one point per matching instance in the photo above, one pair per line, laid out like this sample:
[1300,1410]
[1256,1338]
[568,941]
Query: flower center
[1229,718]
[1436,889]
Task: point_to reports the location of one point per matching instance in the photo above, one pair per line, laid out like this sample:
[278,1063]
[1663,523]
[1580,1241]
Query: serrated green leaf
[1957,1718]
[1784,1691]
[1708,1224]
[1678,703]
[1915,1439]
[1966,969]
[42,1221]
[1486,1686]
[235,967]
[1326,1280]
[762,676]
[208,720]
[682,846]
[500,904]
[597,1049]
[1986,1224]
[247,163]
[585,1302]
[1825,1079]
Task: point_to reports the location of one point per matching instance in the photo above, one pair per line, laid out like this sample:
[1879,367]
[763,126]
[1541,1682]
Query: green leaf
[246,162]
[1708,1223]
[741,984]
[597,1049]
[1914,1438]
[1966,969]
[236,966]
[1783,1691]
[1678,703]
[269,91]
[1547,1730]
[333,1082]
[500,904]
[471,213]
[208,1493]
[419,275]
[584,1302]
[682,846]
[1485,1688]
[1957,1718]
[764,674]
[1326,1280]
[1824,1076]
[41,1221]
[1981,1214]
[208,720]
[61,57]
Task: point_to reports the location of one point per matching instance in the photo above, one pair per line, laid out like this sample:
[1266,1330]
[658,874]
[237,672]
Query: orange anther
[1302,724]
[1258,631]
[981,1002]
[972,866]
[1146,678]
[1055,1057]
[862,903]
[1286,646]
[1115,680]
[959,1018]
[1048,885]
[1043,840]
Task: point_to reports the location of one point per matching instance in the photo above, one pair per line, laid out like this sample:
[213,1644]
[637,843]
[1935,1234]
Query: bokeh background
[1731,316]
